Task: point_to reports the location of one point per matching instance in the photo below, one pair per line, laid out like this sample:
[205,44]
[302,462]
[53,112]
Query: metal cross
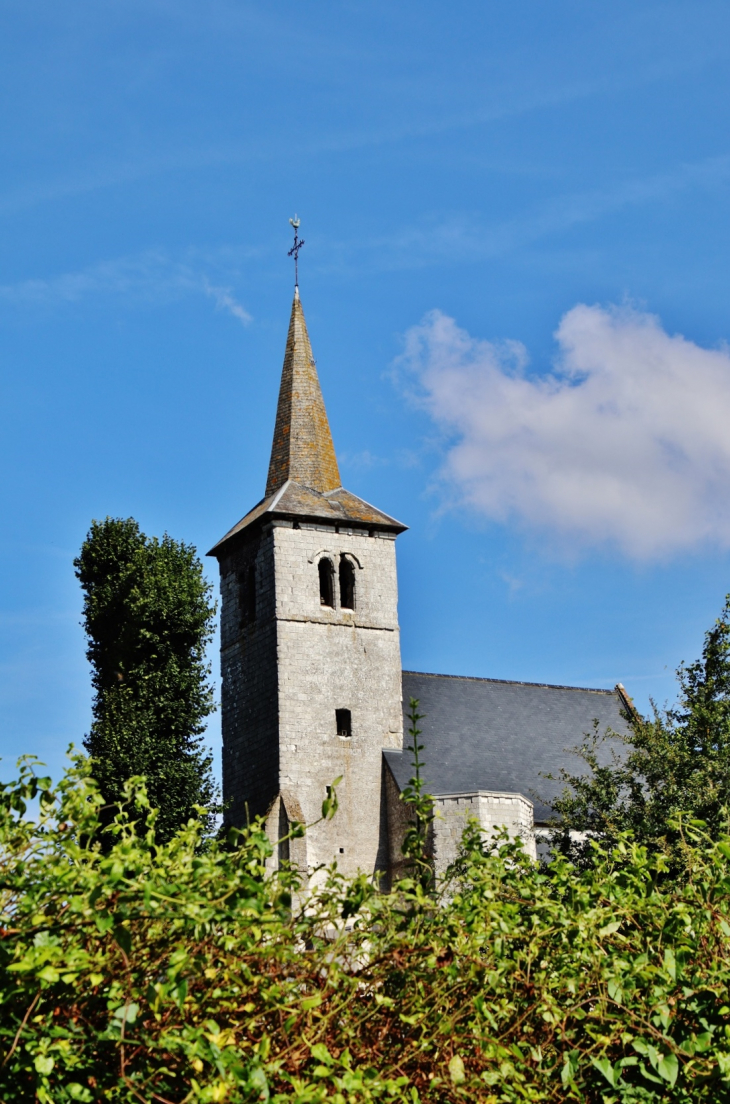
[294,251]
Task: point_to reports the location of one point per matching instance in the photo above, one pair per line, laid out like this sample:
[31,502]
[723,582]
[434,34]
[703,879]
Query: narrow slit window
[283,833]
[343,720]
[347,584]
[326,583]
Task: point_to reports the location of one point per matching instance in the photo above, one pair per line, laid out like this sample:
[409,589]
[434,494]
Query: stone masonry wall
[249,698]
[492,810]
[451,813]
[400,816]
[332,659]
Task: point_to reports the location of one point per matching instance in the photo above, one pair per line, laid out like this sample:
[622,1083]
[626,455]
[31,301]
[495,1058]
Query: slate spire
[302,450]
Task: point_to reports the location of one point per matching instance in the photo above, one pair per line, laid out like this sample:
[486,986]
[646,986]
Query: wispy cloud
[460,238]
[224,300]
[149,277]
[511,96]
[362,461]
[625,443]
[513,583]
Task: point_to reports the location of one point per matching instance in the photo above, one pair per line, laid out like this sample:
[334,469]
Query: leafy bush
[148,971]
[674,765]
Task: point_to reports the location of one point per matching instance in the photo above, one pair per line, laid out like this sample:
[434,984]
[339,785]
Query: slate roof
[486,734]
[302,449]
[301,503]
[304,481]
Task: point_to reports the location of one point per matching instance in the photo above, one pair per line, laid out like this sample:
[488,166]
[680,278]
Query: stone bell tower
[310,646]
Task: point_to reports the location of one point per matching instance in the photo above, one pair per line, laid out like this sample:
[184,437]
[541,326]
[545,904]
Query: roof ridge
[514,682]
[275,499]
[365,502]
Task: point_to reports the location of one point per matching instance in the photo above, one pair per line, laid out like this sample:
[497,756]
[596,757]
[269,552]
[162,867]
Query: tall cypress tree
[148,616]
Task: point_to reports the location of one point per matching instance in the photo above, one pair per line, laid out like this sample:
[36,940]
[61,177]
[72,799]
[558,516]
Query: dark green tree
[148,616]
[673,767]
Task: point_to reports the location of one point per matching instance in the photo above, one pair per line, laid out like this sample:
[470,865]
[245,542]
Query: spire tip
[294,251]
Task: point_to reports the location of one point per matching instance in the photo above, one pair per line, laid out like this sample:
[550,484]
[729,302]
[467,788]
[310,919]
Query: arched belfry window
[326,582]
[347,584]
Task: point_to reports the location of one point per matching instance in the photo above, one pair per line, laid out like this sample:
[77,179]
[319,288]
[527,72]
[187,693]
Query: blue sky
[512,211]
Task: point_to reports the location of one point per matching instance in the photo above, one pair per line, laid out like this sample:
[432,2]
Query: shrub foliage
[151,970]
[674,764]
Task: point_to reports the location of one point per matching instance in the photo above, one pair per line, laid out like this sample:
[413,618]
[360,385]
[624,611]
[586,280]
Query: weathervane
[294,251]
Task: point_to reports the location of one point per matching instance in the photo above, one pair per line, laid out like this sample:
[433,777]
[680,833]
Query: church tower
[310,646]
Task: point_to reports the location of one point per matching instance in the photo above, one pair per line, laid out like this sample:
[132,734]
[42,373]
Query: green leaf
[670,963]
[570,1067]
[123,938]
[723,1064]
[609,929]
[611,1073]
[258,1084]
[127,1013]
[330,804]
[44,1063]
[456,1070]
[615,991]
[79,1092]
[668,1068]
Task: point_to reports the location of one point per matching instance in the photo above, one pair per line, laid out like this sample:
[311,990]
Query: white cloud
[626,442]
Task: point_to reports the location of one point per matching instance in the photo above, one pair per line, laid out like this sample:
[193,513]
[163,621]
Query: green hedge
[182,972]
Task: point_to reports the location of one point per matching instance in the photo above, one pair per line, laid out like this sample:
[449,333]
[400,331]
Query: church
[312,684]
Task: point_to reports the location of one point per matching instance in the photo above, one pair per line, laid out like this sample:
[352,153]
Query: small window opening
[347,584]
[343,719]
[342,850]
[247,595]
[326,582]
